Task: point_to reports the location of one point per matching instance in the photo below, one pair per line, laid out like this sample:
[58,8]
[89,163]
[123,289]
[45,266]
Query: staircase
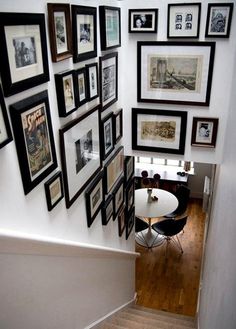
[138,317]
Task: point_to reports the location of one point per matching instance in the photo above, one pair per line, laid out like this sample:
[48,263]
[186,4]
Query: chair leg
[177,243]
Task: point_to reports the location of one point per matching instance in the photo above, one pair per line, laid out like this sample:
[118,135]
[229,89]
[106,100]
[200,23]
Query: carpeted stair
[138,317]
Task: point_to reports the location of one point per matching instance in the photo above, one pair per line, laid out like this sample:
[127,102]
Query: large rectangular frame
[5,129]
[110,31]
[159,130]
[175,72]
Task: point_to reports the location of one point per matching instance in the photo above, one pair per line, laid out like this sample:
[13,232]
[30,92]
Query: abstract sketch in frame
[60,33]
[92,81]
[5,129]
[204,132]
[110,30]
[107,142]
[54,190]
[118,125]
[219,16]
[175,72]
[32,127]
[23,60]
[143,20]
[108,210]
[159,130]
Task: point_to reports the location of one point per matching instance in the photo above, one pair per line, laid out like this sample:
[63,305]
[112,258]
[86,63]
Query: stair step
[108,325]
[132,324]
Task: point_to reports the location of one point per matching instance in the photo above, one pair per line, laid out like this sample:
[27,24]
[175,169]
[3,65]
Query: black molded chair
[140,226]
[169,229]
[182,194]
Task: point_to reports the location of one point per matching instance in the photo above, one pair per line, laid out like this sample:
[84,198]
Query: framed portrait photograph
[5,129]
[94,198]
[84,27]
[32,128]
[23,60]
[121,221]
[92,81]
[129,195]
[159,130]
[118,125]
[128,168]
[66,92]
[183,20]
[81,86]
[204,132]
[108,210]
[108,65]
[175,72]
[118,194]
[130,222]
[80,153]
[59,23]
[143,20]
[218,23]
[54,190]
[109,27]
[107,142]
[113,169]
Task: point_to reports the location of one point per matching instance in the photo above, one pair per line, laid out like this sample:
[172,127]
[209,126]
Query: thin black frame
[106,82]
[121,221]
[47,186]
[212,143]
[34,113]
[204,99]
[60,90]
[210,5]
[78,72]
[65,9]
[106,204]
[129,160]
[130,187]
[104,29]
[97,182]
[7,64]
[5,122]
[107,138]
[86,11]
[113,162]
[181,115]
[118,116]
[90,82]
[119,184]
[130,217]
[143,29]
[171,5]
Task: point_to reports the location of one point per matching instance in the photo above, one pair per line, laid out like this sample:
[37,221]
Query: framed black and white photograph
[81,86]
[204,132]
[5,129]
[118,125]
[108,65]
[113,169]
[80,153]
[129,195]
[33,134]
[110,31]
[119,197]
[94,198]
[108,210]
[143,20]
[130,220]
[92,81]
[159,130]
[66,93]
[23,60]
[183,20]
[121,221]
[59,23]
[128,168]
[84,27]
[107,142]
[219,16]
[54,190]
[175,72]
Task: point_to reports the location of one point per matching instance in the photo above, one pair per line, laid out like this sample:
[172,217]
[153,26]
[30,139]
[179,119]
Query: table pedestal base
[149,238]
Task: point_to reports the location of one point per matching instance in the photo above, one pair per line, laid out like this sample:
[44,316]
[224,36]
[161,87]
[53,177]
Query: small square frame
[54,190]
[143,20]
[92,81]
[107,141]
[204,132]
[5,129]
[108,209]
[118,125]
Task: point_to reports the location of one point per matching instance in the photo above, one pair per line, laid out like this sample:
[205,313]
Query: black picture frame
[80,153]
[54,190]
[81,86]
[143,20]
[113,169]
[107,141]
[108,65]
[92,81]
[130,220]
[129,166]
[33,134]
[118,125]
[5,129]
[84,27]
[110,30]
[129,195]
[94,196]
[23,46]
[119,195]
[121,221]
[204,132]
[219,17]
[59,23]
[67,96]
[161,131]
[108,210]
[183,20]
[157,80]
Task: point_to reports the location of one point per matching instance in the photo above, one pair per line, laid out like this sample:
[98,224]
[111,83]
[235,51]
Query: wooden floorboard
[171,283]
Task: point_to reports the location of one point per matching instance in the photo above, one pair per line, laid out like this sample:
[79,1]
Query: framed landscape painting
[175,72]
[5,129]
[204,132]
[143,20]
[109,27]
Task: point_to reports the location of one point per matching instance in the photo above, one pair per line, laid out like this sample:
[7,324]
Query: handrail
[13,242]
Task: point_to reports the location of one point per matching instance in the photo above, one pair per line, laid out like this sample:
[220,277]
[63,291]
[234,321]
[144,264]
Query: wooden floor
[171,283]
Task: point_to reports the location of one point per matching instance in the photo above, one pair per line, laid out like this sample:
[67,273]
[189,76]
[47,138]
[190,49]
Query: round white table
[165,204]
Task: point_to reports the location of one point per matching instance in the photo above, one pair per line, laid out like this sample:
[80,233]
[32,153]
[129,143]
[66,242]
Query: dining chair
[140,225]
[182,194]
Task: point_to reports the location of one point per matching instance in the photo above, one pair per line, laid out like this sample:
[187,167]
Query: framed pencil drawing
[5,129]
[143,20]
[129,222]
[108,210]
[109,27]
[60,33]
[54,190]
[118,125]
[92,81]
[159,130]
[32,127]
[113,169]
[175,72]
[81,86]
[23,61]
[204,132]
[107,142]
